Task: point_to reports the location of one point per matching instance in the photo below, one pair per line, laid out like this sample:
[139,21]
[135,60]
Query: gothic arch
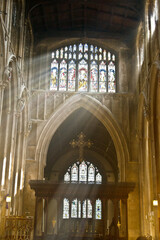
[100,112]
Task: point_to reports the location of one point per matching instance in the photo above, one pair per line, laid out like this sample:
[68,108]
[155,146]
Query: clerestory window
[83,68]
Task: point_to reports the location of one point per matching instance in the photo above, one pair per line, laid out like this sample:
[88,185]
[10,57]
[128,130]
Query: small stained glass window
[89,209]
[74,208]
[82,76]
[67,177]
[74,173]
[91,173]
[84,209]
[71,76]
[65,208]
[98,178]
[63,76]
[54,75]
[94,77]
[83,172]
[98,209]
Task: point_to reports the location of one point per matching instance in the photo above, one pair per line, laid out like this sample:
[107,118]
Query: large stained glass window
[84,172]
[83,67]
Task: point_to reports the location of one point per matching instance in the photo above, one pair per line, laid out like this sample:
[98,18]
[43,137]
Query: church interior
[80,119]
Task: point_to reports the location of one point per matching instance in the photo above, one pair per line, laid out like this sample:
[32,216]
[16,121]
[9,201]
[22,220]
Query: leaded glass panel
[63,76]
[54,75]
[83,172]
[65,208]
[94,77]
[67,177]
[83,54]
[82,76]
[84,214]
[91,173]
[74,173]
[98,209]
[111,77]
[89,209]
[71,76]
[74,209]
[98,178]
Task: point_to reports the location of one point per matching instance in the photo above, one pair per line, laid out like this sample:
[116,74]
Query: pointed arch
[100,112]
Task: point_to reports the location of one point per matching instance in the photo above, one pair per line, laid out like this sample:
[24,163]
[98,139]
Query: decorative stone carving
[23,98]
[7,75]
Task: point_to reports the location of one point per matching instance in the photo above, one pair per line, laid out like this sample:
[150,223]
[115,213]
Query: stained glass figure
[79,209]
[84,214]
[67,177]
[70,55]
[54,75]
[70,48]
[86,55]
[111,77]
[74,56]
[91,173]
[85,47]
[74,173]
[96,49]
[57,54]
[98,178]
[100,50]
[65,208]
[98,209]
[66,48]
[92,48]
[65,55]
[74,48]
[94,77]
[83,172]
[71,76]
[53,55]
[113,57]
[63,76]
[61,53]
[82,76]
[80,47]
[89,209]
[74,208]
[102,77]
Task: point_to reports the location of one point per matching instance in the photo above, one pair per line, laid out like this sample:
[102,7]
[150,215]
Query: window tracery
[83,67]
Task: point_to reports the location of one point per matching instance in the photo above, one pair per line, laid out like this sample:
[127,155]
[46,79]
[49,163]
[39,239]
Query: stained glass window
[84,209]
[65,208]
[94,77]
[102,77]
[74,173]
[98,209]
[94,69]
[54,75]
[71,76]
[83,172]
[63,76]
[82,76]
[74,208]
[91,173]
[89,209]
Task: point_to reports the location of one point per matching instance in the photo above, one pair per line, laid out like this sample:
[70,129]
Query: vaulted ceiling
[116,19]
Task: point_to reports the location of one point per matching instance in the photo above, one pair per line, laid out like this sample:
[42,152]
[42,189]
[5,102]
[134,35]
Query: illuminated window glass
[74,173]
[84,209]
[94,69]
[98,178]
[89,209]
[74,208]
[65,208]
[91,173]
[83,172]
[98,209]
[67,177]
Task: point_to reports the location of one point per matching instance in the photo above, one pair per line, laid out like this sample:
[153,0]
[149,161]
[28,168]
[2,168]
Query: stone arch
[100,112]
